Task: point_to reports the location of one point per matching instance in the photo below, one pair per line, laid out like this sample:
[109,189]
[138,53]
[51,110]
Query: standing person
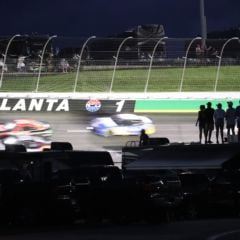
[238,120]
[230,118]
[219,115]
[21,67]
[209,126]
[201,122]
[143,138]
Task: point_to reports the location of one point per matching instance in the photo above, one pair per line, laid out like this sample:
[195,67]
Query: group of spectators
[26,64]
[208,117]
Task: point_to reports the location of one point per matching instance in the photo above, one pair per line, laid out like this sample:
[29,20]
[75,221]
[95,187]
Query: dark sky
[83,18]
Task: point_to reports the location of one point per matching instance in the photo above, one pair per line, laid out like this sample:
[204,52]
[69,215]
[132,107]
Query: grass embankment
[131,80]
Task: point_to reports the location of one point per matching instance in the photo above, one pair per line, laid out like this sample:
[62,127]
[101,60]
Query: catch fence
[121,65]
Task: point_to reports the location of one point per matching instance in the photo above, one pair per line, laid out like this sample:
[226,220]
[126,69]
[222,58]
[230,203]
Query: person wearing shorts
[238,120]
[201,121]
[230,118]
[209,125]
[219,115]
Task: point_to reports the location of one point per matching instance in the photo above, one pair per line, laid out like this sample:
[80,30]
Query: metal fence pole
[79,61]
[151,61]
[41,61]
[5,57]
[220,60]
[185,61]
[116,60]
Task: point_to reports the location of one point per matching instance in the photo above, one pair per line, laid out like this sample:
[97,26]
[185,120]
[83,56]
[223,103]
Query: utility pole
[203,24]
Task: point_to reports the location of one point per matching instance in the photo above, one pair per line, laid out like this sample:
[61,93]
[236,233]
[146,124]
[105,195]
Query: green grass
[130,80]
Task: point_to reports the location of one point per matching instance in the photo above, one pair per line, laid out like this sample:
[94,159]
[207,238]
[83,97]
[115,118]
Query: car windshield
[126,122]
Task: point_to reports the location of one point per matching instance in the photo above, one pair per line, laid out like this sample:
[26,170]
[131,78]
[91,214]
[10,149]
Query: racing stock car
[25,127]
[122,124]
[34,135]
[31,143]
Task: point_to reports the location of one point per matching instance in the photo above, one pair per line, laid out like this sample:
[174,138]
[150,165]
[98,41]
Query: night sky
[83,18]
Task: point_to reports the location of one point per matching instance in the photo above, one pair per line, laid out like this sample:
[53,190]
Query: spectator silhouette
[21,66]
[230,118]
[201,122]
[209,126]
[238,120]
[64,65]
[144,139]
[199,51]
[219,115]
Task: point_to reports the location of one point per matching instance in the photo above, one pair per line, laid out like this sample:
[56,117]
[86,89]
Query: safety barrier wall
[103,106]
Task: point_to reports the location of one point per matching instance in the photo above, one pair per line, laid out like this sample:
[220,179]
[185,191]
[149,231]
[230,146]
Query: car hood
[104,122]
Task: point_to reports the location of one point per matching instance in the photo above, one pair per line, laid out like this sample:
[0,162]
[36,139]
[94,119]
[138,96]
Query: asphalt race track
[72,127]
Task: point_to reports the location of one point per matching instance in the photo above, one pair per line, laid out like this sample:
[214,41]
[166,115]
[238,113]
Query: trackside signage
[34,105]
[177,106]
[65,105]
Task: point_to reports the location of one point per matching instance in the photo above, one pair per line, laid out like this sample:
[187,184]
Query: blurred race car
[122,124]
[31,143]
[25,127]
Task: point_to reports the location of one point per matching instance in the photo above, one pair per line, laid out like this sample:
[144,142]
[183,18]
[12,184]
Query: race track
[72,127]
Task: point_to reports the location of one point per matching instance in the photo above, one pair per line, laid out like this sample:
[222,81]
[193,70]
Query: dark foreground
[214,229]
[67,194]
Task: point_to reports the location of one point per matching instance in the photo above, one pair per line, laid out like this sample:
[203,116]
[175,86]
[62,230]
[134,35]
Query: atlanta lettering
[22,104]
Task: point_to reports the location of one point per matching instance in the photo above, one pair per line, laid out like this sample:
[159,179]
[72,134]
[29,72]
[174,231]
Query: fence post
[5,57]
[79,61]
[151,61]
[185,61]
[41,61]
[116,60]
[220,60]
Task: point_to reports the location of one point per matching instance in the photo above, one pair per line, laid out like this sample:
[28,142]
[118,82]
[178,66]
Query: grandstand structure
[142,60]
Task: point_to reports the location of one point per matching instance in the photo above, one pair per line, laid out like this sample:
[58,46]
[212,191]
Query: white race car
[31,143]
[122,124]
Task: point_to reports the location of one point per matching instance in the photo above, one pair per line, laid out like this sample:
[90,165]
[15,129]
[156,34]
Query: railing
[134,69]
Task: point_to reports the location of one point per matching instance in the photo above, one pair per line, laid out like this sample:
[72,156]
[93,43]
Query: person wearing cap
[209,125]
[230,118]
[219,115]
[238,120]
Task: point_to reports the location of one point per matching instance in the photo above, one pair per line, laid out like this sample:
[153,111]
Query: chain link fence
[120,65]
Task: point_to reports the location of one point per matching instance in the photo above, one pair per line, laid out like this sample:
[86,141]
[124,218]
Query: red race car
[25,127]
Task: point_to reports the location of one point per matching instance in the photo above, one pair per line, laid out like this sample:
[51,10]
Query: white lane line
[78,131]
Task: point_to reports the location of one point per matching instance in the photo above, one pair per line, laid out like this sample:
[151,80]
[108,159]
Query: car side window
[27,128]
[131,122]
